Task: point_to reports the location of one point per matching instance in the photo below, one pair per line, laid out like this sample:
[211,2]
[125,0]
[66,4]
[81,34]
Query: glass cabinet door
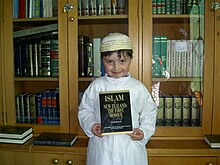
[179,65]
[36,62]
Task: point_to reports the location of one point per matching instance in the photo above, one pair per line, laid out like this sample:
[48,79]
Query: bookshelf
[133,23]
[169,142]
[170,25]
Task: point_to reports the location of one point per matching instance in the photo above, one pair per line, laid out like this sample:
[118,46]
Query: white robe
[118,149]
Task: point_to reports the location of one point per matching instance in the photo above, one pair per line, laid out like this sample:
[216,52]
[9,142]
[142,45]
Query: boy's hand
[96,130]
[137,134]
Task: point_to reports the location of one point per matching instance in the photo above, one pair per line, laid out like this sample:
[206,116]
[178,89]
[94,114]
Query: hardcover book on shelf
[16,141]
[14,132]
[115,110]
[213,140]
[55,139]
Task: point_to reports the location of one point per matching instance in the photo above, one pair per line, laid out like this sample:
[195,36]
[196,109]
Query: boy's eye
[123,61]
[109,62]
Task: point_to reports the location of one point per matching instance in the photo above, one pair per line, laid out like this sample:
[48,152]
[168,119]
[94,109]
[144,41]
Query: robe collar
[121,80]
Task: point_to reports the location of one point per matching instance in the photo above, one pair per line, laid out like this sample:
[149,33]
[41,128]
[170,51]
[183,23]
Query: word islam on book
[115,110]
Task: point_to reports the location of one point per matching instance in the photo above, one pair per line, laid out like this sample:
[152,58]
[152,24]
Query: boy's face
[116,67]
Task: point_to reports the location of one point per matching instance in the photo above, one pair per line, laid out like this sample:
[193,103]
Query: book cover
[213,140]
[115,112]
[16,141]
[55,139]
[14,132]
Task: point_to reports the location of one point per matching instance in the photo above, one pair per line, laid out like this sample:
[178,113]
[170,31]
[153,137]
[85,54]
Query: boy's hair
[128,52]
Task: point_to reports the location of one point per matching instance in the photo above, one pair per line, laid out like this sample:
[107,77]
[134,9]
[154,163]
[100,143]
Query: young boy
[119,149]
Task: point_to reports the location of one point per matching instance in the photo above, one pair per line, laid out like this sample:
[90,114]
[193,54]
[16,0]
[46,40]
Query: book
[14,132]
[213,140]
[17,141]
[36,30]
[115,110]
[55,139]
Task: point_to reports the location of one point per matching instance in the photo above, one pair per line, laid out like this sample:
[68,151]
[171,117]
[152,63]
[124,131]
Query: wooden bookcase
[139,24]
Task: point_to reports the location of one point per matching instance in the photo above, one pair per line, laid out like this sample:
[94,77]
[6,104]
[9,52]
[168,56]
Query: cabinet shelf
[46,79]
[176,79]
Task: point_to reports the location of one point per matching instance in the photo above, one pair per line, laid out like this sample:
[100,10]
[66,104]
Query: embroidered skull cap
[115,41]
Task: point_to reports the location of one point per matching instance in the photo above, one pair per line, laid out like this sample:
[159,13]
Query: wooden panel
[181,160]
[216,98]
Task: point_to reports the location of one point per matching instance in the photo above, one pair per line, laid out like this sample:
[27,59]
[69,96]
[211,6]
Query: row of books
[176,6]
[37,56]
[15,134]
[90,64]
[38,108]
[101,7]
[35,8]
[177,58]
[20,135]
[179,110]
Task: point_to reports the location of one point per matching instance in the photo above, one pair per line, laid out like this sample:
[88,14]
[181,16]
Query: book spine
[194,112]
[97,56]
[24,53]
[89,59]
[158,6]
[54,57]
[55,8]
[178,7]
[44,107]
[55,107]
[39,108]
[79,7]
[100,7]
[163,55]
[35,59]
[49,107]
[92,7]
[33,108]
[18,59]
[107,7]
[15,9]
[27,108]
[168,7]
[114,7]
[160,112]
[156,68]
[189,58]
[122,7]
[30,60]
[45,57]
[17,104]
[85,7]
[154,7]
[168,110]
[168,62]
[163,6]
[183,64]
[173,59]
[186,110]
[37,9]
[22,8]
[21,103]
[177,110]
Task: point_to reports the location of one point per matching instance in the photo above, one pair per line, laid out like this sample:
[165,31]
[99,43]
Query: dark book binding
[55,139]
[213,140]
[115,110]
[16,132]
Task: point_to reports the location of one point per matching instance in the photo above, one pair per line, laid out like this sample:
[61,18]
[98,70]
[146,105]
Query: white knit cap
[115,41]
